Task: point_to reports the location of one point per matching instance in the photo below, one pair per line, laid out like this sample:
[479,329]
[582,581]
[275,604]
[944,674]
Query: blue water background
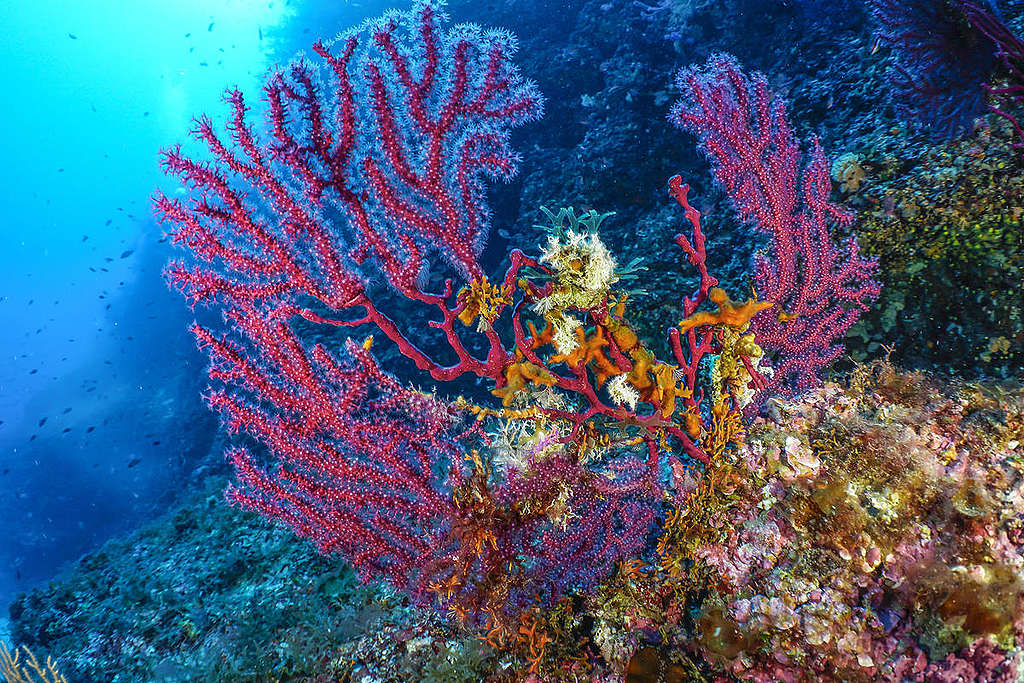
[89,335]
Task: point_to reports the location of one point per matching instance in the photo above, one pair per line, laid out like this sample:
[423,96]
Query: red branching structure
[384,148]
[399,163]
[374,161]
[364,460]
[819,290]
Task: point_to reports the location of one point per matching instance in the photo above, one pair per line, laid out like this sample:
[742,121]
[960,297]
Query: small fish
[72,36]
[42,422]
[210,27]
[89,429]
[109,221]
[188,34]
[67,410]
[34,370]
[66,430]
[876,44]
[85,237]
[203,64]
[6,471]
[259,29]
[127,252]
[133,462]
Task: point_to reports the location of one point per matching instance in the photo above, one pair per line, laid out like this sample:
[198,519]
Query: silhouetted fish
[72,36]
[134,461]
[127,252]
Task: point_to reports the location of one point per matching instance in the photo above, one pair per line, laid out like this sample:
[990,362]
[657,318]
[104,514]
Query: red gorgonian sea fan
[373,161]
[819,289]
[375,156]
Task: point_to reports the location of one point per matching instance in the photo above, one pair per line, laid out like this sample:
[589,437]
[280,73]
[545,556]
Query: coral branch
[818,290]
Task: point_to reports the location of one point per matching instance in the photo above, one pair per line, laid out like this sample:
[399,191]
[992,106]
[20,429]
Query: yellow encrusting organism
[484,302]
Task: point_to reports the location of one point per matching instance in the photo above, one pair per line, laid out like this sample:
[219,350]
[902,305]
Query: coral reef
[874,534]
[589,501]
[874,519]
[519,505]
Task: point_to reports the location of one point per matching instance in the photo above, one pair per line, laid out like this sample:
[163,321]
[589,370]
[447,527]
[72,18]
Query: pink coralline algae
[898,557]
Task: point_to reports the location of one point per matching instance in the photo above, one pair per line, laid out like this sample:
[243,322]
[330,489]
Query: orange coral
[728,313]
[590,351]
[518,374]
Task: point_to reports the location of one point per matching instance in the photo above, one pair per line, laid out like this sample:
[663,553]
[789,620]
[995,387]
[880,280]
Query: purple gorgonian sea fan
[942,61]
